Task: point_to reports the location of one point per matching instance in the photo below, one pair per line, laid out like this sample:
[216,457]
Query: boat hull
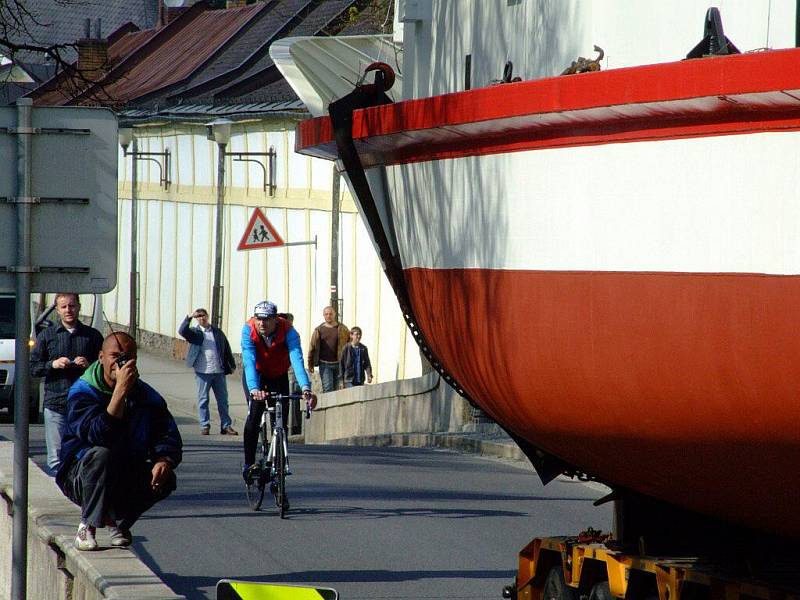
[681,386]
[610,266]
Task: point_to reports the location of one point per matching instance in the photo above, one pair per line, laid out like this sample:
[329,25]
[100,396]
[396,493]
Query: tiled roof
[203,57]
[143,62]
[258,73]
[9,92]
[57,22]
[249,46]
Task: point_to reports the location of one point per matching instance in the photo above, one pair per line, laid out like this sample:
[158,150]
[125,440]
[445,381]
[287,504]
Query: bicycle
[272,465]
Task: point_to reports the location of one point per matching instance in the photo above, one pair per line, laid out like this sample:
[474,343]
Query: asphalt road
[369,522]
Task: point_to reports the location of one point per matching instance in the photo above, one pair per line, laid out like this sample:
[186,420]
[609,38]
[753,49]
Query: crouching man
[121,448]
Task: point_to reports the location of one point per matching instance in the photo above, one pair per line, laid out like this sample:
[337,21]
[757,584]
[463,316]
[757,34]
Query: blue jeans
[55,426]
[216,382]
[329,374]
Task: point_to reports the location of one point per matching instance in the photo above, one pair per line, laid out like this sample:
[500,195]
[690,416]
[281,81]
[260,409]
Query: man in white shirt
[211,358]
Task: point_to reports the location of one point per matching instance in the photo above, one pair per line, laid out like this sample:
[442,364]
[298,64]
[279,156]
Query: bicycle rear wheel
[281,501]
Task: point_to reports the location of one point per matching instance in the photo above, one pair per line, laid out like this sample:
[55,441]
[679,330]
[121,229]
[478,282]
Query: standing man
[269,346]
[122,445]
[62,353]
[327,343]
[211,358]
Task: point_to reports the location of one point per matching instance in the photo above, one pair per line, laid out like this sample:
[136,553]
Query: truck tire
[600,591]
[555,588]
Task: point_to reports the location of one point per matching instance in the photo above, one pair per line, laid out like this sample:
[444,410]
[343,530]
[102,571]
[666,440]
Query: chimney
[236,3]
[173,13]
[92,53]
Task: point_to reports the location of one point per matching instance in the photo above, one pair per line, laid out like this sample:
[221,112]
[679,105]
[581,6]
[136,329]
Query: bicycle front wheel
[281,500]
[254,488]
[255,485]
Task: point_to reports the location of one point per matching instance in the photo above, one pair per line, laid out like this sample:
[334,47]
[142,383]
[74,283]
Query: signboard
[228,589]
[259,233]
[73,197]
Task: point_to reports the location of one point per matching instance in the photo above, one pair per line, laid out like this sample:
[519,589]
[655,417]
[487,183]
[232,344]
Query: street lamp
[127,139]
[219,131]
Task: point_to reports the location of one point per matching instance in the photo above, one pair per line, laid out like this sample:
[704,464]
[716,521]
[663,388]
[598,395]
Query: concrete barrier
[423,404]
[56,570]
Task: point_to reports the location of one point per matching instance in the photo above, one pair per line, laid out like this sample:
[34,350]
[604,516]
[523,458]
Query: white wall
[177,234]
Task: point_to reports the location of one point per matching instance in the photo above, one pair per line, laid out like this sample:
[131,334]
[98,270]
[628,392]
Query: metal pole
[216,298]
[22,383]
[133,321]
[335,241]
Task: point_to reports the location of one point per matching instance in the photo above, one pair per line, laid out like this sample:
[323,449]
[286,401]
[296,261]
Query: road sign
[73,199]
[228,589]
[259,233]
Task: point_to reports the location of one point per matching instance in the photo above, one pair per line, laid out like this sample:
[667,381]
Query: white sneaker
[120,538]
[85,540]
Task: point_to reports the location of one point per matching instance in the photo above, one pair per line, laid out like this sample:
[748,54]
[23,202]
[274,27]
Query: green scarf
[94,377]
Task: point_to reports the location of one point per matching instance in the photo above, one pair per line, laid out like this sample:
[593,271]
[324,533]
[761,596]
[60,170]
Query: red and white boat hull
[614,275]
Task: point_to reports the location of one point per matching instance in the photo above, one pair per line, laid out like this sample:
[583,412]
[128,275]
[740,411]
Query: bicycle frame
[277,433]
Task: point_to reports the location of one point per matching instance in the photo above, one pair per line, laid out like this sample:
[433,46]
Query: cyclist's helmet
[265,308]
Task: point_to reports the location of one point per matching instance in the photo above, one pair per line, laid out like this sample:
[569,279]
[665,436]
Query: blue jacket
[295,356]
[147,432]
[195,337]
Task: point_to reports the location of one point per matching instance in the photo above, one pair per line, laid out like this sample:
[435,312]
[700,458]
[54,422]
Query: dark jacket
[195,337]
[147,432]
[347,363]
[55,342]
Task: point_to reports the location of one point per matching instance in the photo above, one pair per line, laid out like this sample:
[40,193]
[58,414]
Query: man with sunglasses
[270,345]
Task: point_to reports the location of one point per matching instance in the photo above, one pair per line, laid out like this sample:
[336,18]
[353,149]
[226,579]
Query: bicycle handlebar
[278,396]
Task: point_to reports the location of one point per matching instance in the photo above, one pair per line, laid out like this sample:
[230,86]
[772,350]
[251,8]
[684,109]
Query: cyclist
[269,346]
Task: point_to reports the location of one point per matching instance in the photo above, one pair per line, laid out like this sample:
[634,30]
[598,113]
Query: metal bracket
[31,269]
[41,200]
[163,178]
[269,172]
[44,130]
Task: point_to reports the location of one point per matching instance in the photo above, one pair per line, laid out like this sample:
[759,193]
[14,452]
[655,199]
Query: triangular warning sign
[259,233]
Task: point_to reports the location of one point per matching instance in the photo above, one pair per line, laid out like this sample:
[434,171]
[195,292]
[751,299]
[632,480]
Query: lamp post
[219,131]
[126,139]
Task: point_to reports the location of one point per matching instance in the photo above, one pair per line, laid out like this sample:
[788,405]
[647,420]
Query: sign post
[58,232]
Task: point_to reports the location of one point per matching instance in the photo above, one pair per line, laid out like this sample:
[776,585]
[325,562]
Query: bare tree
[19,40]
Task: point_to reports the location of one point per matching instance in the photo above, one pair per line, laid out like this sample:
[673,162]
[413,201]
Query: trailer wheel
[600,591]
[555,588]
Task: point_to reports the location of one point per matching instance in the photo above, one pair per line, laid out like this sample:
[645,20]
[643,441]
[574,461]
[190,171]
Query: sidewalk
[175,381]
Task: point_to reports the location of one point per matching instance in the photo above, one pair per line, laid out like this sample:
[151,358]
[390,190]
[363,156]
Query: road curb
[449,441]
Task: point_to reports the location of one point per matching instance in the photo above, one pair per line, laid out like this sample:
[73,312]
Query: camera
[121,360]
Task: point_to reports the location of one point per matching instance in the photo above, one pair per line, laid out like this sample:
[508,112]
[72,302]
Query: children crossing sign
[259,233]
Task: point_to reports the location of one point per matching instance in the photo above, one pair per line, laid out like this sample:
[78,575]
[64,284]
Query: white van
[7,364]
